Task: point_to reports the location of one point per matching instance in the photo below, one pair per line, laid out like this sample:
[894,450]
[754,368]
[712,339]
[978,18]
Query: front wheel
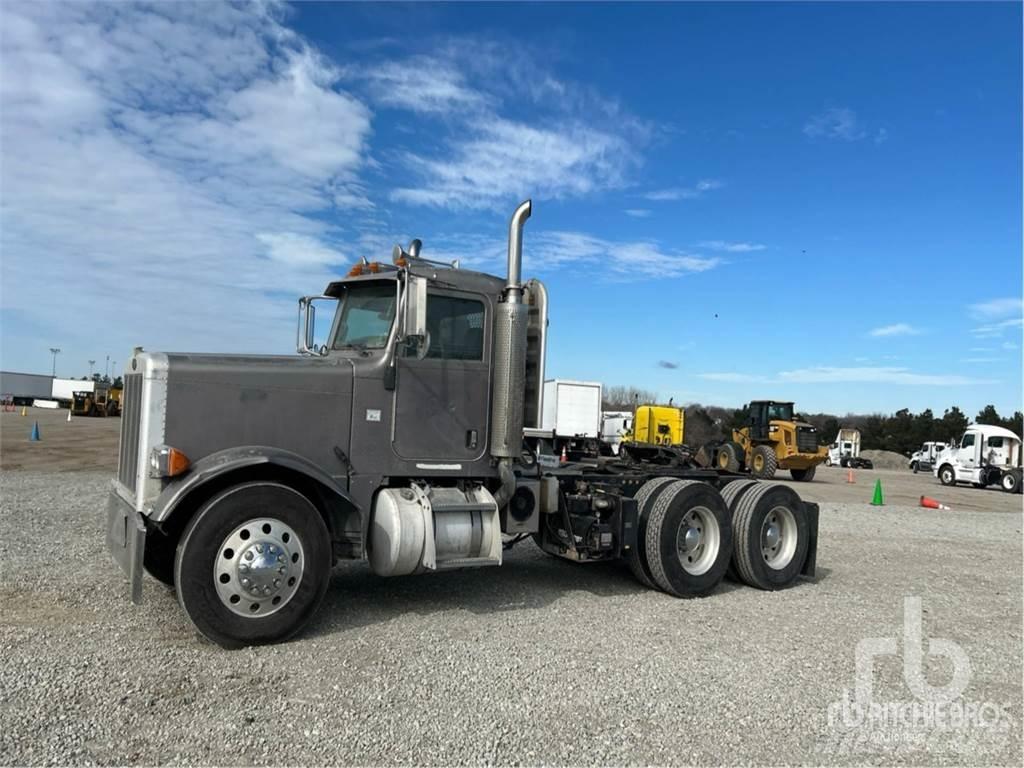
[764,463]
[253,565]
[947,476]
[913,467]
[803,475]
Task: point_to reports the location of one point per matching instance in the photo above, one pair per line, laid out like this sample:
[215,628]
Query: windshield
[780,412]
[365,314]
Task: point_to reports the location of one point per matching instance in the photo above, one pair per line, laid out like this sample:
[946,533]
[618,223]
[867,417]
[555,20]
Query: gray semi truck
[409,438]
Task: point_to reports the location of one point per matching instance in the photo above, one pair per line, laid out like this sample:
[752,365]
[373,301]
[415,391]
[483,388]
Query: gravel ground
[538,662]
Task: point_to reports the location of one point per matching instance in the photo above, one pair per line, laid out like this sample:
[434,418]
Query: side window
[995,442]
[968,441]
[456,328]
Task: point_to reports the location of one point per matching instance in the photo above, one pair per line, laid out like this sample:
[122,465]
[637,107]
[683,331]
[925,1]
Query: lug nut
[280,558]
[259,549]
[245,582]
[277,582]
[243,567]
[281,570]
[266,590]
[248,555]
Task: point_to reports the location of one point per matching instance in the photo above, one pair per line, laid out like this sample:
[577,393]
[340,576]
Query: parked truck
[406,440]
[845,451]
[614,424]
[24,388]
[985,455]
[571,417]
[923,460]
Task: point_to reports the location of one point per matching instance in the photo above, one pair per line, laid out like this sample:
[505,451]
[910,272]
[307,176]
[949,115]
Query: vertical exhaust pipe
[513,286]
[510,326]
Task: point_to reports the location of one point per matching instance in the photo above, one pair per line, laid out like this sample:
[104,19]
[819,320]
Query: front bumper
[126,540]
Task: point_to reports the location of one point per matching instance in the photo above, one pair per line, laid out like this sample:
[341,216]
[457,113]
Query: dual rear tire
[684,538]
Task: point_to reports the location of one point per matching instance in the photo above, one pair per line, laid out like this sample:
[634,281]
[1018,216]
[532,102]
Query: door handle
[471,438]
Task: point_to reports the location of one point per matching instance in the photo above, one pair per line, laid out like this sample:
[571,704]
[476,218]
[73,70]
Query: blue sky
[818,202]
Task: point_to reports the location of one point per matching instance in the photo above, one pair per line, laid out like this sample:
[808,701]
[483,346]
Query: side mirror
[414,318]
[305,337]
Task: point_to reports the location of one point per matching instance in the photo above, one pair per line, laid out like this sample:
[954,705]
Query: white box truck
[985,455]
[572,416]
[614,424]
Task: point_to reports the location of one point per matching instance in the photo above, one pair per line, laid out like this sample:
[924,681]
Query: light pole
[54,351]
[91,364]
[106,373]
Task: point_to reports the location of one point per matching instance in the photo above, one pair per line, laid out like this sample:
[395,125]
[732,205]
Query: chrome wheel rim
[258,567]
[697,540]
[778,537]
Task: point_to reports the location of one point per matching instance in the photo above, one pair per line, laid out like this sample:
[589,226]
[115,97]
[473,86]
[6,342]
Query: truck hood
[298,404]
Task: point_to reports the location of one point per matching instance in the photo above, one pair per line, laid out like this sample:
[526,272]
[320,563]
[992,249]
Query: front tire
[947,476]
[688,539]
[803,475]
[729,457]
[253,565]
[764,463]
[913,467]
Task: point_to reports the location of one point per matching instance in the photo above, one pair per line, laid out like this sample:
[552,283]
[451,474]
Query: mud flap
[811,561]
[126,541]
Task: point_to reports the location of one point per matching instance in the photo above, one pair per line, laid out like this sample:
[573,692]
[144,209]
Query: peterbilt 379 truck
[409,439]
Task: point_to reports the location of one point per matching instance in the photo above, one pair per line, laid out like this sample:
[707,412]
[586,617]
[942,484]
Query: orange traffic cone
[930,503]
[565,455]
[849,476]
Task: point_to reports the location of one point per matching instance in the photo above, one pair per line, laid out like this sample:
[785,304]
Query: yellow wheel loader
[773,440]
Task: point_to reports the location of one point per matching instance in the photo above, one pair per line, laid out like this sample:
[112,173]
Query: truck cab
[984,455]
[924,459]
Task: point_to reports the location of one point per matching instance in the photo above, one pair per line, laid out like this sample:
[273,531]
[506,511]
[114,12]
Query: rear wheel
[1010,481]
[253,565]
[731,495]
[688,539]
[763,463]
[803,475]
[770,536]
[729,457]
[946,475]
[637,557]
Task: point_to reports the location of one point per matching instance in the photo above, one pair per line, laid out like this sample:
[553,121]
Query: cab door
[442,402]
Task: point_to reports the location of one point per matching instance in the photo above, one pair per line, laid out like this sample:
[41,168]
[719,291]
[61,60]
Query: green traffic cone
[877,500]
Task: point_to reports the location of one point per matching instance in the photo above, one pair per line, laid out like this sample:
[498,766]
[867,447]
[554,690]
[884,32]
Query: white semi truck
[924,459]
[845,451]
[985,455]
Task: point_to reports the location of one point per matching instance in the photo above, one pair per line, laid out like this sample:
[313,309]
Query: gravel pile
[539,661]
[886,459]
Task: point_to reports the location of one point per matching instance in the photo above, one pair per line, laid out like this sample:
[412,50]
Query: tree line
[901,432]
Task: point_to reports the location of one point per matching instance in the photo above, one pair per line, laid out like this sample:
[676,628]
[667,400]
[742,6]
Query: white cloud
[723,245]
[994,330]
[896,329]
[684,193]
[638,213]
[995,309]
[835,123]
[422,84]
[546,251]
[145,148]
[850,375]
[496,161]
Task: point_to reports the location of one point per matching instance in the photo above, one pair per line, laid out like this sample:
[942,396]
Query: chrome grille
[131,408]
[806,439]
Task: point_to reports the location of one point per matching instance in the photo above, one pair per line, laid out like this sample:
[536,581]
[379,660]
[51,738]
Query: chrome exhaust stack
[510,327]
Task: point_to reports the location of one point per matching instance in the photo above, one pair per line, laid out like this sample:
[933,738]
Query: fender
[220,463]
